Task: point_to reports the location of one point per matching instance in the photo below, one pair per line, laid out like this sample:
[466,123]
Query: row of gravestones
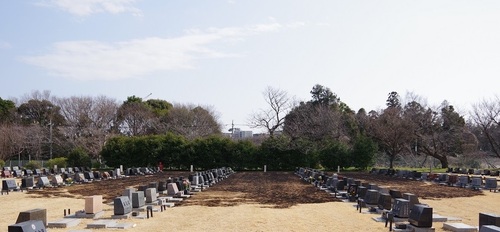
[475,182]
[371,196]
[391,203]
[15,171]
[174,189]
[417,175]
[57,180]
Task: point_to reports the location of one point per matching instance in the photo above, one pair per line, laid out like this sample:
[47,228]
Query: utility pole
[50,138]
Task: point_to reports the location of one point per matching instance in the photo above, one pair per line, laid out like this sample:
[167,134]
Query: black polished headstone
[421,216]
[384,201]
[8,185]
[27,226]
[28,182]
[489,219]
[33,214]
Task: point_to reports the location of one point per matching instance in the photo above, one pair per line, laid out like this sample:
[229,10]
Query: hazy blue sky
[224,53]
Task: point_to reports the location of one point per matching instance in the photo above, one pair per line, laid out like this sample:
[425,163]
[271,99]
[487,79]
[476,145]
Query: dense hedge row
[278,153]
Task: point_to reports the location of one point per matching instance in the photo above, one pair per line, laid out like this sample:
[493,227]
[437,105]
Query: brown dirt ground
[273,189]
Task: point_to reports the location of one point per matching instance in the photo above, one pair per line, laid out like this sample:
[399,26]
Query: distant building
[237,133]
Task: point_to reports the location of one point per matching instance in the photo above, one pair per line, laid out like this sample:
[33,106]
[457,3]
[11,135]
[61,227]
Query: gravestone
[128,193]
[151,195]
[463,181]
[384,201]
[489,228]
[43,182]
[70,170]
[33,214]
[122,206]
[153,185]
[57,180]
[17,173]
[491,184]
[6,174]
[476,182]
[28,226]
[93,204]
[37,172]
[172,189]
[28,182]
[8,185]
[401,208]
[97,175]
[162,186]
[138,199]
[79,177]
[452,179]
[421,216]
[118,173]
[489,219]
[28,172]
[62,170]
[371,197]
[395,193]
[88,175]
[362,192]
[412,198]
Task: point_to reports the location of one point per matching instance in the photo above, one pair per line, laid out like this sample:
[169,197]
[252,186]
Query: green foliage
[278,153]
[33,165]
[61,162]
[79,158]
[2,163]
[334,154]
[363,152]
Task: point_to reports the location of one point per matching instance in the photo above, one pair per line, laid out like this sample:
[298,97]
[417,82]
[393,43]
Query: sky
[224,53]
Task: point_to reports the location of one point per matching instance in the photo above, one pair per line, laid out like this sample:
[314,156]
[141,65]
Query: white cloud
[94,60]
[88,7]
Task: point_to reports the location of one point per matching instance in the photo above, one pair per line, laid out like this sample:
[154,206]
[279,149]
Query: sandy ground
[332,216]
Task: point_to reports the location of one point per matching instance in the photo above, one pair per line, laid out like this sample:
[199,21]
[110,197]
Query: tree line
[322,132]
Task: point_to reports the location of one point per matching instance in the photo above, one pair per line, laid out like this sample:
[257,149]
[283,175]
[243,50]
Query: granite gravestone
[93,204]
[28,182]
[57,180]
[122,206]
[138,199]
[401,208]
[8,185]
[27,226]
[421,216]
[489,219]
[151,195]
[43,182]
[33,214]
[128,193]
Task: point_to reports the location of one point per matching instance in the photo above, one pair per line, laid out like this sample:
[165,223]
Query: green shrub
[79,158]
[61,162]
[33,165]
[2,163]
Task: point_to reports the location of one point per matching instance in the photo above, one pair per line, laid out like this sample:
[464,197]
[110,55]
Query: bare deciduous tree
[273,117]
[486,115]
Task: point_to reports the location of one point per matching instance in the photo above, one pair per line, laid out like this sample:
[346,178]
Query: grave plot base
[124,216]
[64,223]
[82,214]
[459,227]
[140,209]
[411,228]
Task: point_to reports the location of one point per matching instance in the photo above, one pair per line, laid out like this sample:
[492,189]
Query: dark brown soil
[273,189]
